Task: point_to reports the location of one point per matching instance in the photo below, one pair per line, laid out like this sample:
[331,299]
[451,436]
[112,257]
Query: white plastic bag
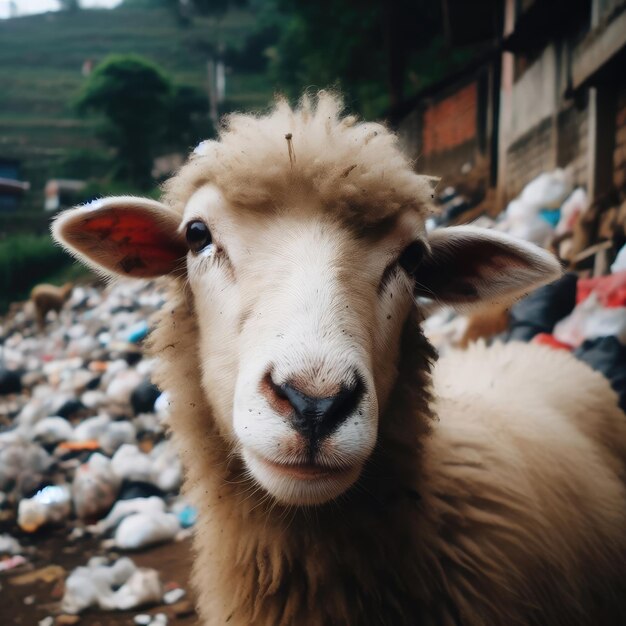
[146,529]
[50,504]
[117,434]
[91,428]
[167,471]
[125,508]
[548,190]
[575,205]
[619,265]
[590,320]
[95,487]
[143,587]
[51,430]
[93,585]
[131,464]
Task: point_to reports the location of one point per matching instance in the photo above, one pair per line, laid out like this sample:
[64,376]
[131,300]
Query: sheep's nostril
[317,417]
[277,389]
[274,395]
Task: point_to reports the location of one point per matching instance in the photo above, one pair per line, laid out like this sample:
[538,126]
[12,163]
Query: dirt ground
[28,603]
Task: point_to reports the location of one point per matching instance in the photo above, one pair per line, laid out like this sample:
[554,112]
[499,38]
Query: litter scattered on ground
[47,574]
[50,504]
[12,563]
[173,595]
[117,586]
[83,447]
[145,529]
[9,545]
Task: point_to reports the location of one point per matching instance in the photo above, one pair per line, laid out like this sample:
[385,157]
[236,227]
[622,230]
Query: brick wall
[534,152]
[450,122]
[447,133]
[619,153]
[528,156]
[573,142]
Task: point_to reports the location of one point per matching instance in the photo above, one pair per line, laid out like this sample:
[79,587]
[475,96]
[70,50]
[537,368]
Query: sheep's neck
[259,563]
[329,560]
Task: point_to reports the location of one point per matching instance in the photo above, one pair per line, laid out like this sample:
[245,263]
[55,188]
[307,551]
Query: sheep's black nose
[315,417]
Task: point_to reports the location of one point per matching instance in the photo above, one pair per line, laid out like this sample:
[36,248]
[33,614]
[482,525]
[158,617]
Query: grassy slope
[40,71]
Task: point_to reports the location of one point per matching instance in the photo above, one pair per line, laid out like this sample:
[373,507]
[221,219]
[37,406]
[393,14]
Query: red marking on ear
[142,245]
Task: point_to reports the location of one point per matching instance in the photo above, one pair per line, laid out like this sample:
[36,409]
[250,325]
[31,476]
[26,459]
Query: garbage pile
[585,311]
[83,446]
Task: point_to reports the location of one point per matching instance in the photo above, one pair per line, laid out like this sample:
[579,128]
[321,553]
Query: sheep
[47,298]
[342,474]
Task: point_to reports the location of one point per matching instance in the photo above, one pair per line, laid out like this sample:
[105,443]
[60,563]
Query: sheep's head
[301,296]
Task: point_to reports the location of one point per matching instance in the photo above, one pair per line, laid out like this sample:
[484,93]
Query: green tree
[142,111]
[367,47]
[213,7]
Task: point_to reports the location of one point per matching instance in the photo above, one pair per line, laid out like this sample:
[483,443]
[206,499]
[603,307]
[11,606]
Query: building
[562,83]
[11,187]
[450,128]
[61,193]
[549,92]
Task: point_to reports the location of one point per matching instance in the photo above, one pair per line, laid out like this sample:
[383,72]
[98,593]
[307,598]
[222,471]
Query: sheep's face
[300,315]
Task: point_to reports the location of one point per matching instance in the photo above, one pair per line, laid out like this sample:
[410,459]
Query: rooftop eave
[9,185]
[597,49]
[543,22]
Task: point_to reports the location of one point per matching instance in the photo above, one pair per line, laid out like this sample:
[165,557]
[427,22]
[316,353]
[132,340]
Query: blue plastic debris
[187,517]
[137,332]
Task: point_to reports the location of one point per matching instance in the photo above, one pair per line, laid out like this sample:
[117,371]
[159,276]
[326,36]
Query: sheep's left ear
[124,235]
[467,266]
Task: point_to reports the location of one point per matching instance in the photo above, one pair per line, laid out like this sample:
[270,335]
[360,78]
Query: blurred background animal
[46,298]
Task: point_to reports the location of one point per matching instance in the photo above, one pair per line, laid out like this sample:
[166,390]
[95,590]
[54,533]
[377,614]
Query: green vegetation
[26,260]
[41,58]
[72,272]
[378,53]
[150,97]
[143,112]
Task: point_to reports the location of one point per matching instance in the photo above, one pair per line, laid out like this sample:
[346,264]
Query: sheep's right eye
[198,236]
[411,257]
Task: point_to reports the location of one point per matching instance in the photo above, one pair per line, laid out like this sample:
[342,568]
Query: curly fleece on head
[273,160]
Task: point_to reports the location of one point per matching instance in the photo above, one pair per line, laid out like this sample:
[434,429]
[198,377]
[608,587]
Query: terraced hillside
[41,58]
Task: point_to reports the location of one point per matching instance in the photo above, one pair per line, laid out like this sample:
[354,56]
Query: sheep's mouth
[308,482]
[306,470]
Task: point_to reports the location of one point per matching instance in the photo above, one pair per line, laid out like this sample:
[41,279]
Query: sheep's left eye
[411,257]
[198,235]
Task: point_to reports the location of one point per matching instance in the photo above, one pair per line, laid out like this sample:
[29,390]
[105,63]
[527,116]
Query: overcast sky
[24,7]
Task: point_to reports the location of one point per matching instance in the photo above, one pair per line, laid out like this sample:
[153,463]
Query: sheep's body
[509,510]
[47,298]
[525,470]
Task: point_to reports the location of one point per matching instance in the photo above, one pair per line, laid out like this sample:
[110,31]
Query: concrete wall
[533,94]
[540,127]
[573,142]
[527,157]
[529,126]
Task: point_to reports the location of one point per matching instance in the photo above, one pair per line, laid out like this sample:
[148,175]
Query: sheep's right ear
[467,266]
[124,235]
